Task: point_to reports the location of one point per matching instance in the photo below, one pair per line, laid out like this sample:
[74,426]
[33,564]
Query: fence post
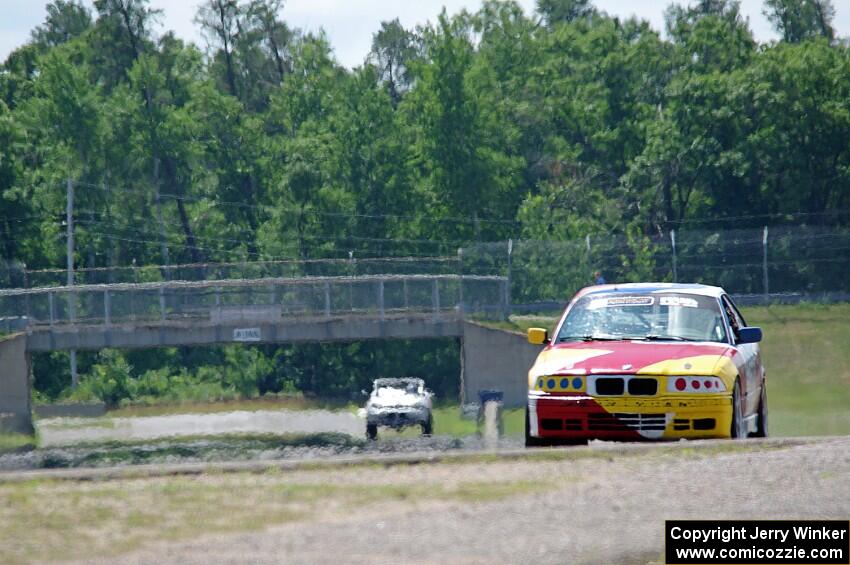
[673,244]
[506,304]
[72,298]
[162,302]
[327,299]
[52,307]
[132,293]
[435,297]
[107,308]
[381,298]
[460,273]
[504,300]
[764,266]
[27,296]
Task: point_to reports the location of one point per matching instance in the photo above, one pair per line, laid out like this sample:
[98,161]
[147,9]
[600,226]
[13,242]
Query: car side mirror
[538,336]
[749,335]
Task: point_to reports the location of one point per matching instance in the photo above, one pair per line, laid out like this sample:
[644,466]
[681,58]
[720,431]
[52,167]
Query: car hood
[635,357]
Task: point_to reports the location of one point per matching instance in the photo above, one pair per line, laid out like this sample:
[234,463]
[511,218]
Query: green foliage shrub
[110,380]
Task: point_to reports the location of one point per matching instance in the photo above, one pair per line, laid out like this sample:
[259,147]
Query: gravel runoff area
[576,505]
[68,431]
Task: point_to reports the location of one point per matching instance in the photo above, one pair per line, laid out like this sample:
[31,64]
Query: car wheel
[739,426]
[428,426]
[761,430]
[530,441]
[371,431]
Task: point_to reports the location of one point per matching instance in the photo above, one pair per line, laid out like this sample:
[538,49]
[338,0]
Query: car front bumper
[397,417]
[553,416]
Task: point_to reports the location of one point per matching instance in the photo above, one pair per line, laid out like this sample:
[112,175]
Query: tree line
[474,127]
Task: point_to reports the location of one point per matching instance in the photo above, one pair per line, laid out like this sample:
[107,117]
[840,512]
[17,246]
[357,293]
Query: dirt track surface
[69,431]
[595,509]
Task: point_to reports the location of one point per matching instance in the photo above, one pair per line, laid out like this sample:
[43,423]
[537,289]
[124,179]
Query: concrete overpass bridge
[263,310]
[266,310]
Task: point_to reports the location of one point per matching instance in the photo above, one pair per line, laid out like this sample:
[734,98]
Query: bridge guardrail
[254,299]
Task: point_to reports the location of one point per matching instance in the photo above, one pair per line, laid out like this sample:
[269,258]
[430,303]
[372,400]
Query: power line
[55,215]
[757,217]
[274,208]
[244,264]
[119,237]
[306,236]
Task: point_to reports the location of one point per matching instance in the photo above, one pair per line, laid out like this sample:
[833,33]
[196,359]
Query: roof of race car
[646,288]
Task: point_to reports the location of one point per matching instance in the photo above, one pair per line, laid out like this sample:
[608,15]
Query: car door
[749,364]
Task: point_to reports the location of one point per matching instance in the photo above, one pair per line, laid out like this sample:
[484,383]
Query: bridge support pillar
[496,360]
[15,415]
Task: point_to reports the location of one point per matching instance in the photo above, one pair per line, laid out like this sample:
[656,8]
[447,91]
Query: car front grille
[615,385]
[643,386]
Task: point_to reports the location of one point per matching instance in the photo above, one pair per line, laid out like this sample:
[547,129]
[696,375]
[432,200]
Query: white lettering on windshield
[679,301]
[610,301]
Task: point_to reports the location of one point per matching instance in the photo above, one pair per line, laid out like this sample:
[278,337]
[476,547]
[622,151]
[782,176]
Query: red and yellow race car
[647,361]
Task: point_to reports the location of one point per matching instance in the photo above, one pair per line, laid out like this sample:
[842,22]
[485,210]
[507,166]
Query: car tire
[739,426]
[531,441]
[761,430]
[428,426]
[372,431]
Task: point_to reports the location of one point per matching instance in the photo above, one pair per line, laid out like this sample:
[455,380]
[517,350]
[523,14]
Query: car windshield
[647,316]
[398,387]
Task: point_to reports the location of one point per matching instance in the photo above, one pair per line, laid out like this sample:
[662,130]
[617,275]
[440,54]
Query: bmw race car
[647,361]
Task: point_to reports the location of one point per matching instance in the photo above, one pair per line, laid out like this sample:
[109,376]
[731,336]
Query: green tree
[565,11]
[798,20]
[66,19]
[220,24]
[461,171]
[123,32]
[394,49]
[710,35]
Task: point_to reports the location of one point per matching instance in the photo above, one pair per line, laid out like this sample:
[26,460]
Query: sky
[349,24]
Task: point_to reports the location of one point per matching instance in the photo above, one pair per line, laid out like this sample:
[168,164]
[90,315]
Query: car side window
[737,312]
[735,320]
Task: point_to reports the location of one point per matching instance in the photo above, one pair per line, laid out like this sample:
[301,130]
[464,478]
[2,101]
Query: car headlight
[559,383]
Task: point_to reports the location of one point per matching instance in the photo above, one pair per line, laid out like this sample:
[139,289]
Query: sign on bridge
[247,334]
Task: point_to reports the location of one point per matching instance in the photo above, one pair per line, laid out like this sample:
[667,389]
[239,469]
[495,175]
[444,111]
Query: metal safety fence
[769,264]
[267,299]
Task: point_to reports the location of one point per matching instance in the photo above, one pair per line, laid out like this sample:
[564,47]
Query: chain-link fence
[767,264]
[268,299]
[784,263]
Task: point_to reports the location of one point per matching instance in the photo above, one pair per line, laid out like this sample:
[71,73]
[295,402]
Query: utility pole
[162,240]
[673,246]
[765,281]
[72,299]
[507,312]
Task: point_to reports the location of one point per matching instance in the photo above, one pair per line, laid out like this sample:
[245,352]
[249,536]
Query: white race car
[397,403]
